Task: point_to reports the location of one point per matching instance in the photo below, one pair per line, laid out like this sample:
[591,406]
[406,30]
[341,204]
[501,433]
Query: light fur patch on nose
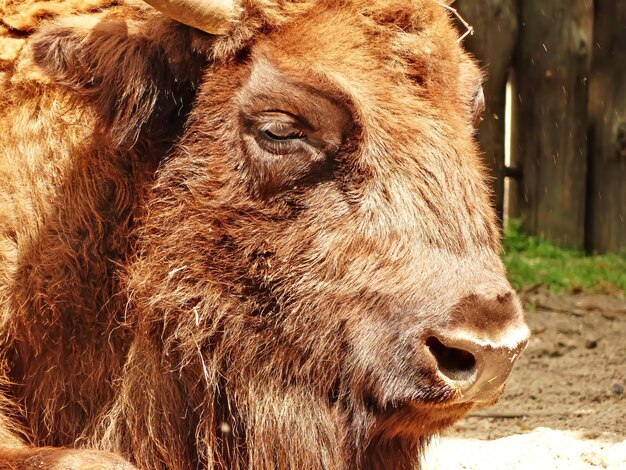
[512,339]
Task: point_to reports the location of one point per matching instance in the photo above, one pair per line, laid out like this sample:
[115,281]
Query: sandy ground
[565,404]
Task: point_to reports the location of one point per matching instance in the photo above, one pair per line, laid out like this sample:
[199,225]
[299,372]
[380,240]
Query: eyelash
[272,131]
[293,136]
[269,138]
[279,146]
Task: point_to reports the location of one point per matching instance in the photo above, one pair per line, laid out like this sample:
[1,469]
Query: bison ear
[140,79]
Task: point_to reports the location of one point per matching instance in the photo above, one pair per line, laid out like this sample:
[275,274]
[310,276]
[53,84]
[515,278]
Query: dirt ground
[565,404]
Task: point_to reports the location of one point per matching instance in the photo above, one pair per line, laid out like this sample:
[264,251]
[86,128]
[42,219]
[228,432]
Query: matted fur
[158,300]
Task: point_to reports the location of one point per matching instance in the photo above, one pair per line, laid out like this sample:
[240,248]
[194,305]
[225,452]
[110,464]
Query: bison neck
[68,222]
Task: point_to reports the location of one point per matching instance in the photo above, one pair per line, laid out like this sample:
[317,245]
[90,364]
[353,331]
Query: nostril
[456,364]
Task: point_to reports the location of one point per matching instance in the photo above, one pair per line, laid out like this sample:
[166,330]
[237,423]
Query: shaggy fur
[175,293]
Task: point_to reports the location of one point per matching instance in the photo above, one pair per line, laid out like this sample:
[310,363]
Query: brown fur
[173,295]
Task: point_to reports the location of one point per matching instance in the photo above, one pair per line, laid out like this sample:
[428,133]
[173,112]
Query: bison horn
[211,16]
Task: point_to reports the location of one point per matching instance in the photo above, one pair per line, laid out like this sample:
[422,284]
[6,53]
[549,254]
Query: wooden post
[495,24]
[607,195]
[552,73]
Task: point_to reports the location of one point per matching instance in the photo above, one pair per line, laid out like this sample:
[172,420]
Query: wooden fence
[566,63]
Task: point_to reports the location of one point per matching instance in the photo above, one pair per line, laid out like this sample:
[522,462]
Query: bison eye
[282,132]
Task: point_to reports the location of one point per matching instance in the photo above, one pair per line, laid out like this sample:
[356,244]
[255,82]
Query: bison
[250,234]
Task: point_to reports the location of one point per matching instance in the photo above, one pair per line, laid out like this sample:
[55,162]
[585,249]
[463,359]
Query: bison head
[316,280]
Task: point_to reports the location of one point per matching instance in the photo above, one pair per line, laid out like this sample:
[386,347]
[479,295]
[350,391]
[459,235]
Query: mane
[20,19]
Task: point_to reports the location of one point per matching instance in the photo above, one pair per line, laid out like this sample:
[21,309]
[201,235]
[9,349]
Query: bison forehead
[415,37]
[395,60]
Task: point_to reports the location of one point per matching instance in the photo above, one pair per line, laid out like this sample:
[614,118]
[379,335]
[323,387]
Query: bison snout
[476,356]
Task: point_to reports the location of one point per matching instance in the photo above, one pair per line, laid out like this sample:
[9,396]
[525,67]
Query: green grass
[533,261]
